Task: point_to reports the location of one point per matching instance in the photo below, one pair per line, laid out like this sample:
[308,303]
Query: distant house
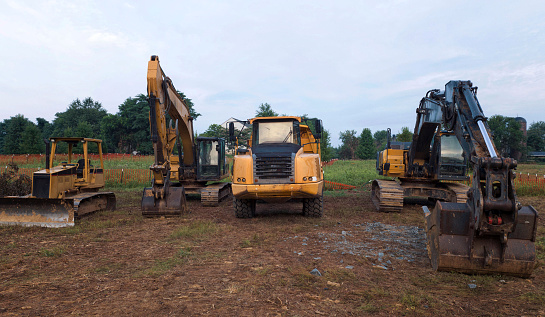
[536,154]
[239,124]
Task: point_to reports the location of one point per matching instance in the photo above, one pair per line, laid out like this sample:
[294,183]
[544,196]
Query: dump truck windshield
[276,132]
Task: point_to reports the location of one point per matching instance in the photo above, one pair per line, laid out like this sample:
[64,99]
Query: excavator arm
[492,232]
[164,198]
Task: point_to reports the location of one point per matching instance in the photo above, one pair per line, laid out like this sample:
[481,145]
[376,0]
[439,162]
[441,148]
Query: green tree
[217,131]
[129,129]
[265,110]
[78,111]
[194,114]
[349,144]
[380,138]
[31,140]
[325,145]
[46,128]
[536,137]
[366,148]
[405,135]
[508,136]
[14,128]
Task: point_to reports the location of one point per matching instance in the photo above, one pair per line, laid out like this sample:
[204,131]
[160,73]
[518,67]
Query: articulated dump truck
[282,162]
[63,193]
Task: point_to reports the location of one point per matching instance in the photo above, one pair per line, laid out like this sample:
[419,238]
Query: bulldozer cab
[75,154]
[211,159]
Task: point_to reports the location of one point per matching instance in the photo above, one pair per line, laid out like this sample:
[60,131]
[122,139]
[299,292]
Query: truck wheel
[313,207]
[244,208]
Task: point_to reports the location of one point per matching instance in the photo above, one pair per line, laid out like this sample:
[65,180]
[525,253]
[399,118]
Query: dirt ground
[352,262]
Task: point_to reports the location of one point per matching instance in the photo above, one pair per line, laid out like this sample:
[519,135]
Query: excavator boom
[490,233]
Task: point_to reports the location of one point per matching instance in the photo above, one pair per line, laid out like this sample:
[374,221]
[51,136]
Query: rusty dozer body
[491,233]
[60,194]
[197,165]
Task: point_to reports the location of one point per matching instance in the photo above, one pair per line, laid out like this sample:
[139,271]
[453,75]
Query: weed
[534,297]
[55,252]
[255,240]
[368,308]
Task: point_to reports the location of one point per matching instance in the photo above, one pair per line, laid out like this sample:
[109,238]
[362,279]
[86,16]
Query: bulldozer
[282,162]
[486,231]
[199,164]
[63,193]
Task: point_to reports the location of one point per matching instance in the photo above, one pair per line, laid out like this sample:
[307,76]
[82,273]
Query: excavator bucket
[174,204]
[454,246]
[41,212]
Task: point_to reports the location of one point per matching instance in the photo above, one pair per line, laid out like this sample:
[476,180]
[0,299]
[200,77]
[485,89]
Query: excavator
[199,163]
[419,171]
[282,162]
[63,193]
[490,232]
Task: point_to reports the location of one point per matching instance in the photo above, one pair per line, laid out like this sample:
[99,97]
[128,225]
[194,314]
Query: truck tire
[313,207]
[244,208]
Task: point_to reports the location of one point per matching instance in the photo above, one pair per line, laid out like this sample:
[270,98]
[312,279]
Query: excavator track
[387,196]
[212,195]
[460,190]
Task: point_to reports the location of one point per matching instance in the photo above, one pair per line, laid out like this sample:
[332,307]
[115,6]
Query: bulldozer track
[86,203]
[387,196]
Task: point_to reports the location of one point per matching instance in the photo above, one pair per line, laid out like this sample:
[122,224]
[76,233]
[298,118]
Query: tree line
[127,131]
[508,136]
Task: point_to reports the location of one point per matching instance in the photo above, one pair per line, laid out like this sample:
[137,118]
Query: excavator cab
[451,162]
[211,159]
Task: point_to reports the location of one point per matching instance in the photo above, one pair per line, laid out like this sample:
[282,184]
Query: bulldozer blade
[453,246]
[174,204]
[40,212]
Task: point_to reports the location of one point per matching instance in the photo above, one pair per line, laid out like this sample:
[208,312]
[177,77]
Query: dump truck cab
[282,162]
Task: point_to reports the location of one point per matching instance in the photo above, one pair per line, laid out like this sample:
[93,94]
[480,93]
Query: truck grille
[274,169]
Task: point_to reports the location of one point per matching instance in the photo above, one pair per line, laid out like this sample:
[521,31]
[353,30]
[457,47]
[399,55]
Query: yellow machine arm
[163,100]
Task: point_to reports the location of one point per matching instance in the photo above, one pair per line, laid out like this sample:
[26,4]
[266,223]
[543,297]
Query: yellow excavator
[282,162]
[426,167]
[200,163]
[60,194]
[487,231]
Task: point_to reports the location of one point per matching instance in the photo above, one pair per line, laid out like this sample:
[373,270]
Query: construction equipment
[197,163]
[60,194]
[491,233]
[282,162]
[425,167]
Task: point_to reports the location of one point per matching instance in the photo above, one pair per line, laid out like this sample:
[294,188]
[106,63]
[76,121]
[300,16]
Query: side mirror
[318,128]
[232,136]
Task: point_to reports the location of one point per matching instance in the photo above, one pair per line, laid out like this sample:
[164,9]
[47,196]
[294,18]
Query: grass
[161,266]
[55,252]
[196,229]
[356,172]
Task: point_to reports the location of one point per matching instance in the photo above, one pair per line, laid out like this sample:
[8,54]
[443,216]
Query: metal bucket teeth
[41,212]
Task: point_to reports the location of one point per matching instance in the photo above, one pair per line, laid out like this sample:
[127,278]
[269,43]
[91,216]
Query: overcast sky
[354,64]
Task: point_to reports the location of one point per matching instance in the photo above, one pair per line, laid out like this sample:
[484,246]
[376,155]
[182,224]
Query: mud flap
[174,204]
[40,212]
[454,246]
